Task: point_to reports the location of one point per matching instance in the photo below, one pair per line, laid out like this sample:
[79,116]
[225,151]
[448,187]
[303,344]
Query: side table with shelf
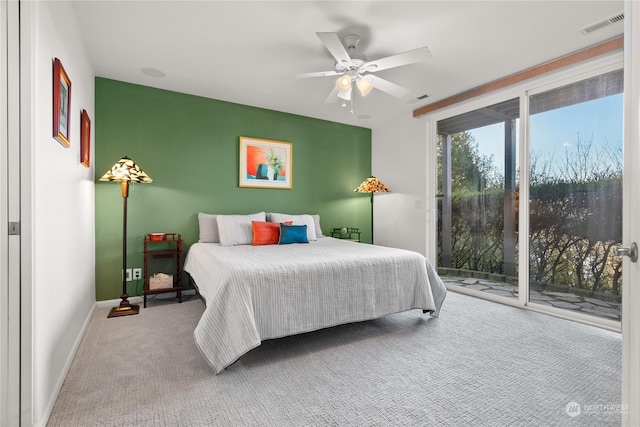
[163,245]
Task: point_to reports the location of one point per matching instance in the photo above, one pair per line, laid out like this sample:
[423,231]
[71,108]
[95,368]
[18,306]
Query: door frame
[630,226]
[11,396]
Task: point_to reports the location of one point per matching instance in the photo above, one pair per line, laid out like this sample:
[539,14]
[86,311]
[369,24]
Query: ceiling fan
[353,67]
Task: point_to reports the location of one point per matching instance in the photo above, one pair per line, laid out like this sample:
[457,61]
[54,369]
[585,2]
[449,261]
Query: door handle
[631,252]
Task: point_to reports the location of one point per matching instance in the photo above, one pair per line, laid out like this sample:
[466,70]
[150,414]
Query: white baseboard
[65,370]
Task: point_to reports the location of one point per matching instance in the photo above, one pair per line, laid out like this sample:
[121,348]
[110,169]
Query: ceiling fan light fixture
[345,95]
[344,83]
[364,86]
[350,64]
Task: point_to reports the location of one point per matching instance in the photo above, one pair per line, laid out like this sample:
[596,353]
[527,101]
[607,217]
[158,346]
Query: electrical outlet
[137,273]
[127,274]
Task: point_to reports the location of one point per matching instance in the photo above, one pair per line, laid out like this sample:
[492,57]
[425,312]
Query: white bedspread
[254,293]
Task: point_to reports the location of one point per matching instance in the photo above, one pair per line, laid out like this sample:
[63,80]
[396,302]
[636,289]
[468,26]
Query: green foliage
[575,215]
[470,171]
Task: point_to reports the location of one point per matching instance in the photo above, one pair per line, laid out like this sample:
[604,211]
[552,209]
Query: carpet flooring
[479,364]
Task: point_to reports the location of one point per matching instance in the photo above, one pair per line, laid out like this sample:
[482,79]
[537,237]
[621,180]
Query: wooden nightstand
[165,248]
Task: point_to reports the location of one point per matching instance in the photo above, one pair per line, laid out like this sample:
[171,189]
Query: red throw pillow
[266,233]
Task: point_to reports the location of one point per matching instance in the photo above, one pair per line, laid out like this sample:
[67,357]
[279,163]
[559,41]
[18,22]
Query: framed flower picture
[61,103]
[265,163]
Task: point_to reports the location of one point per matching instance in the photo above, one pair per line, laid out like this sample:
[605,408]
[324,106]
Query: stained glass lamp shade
[372,185]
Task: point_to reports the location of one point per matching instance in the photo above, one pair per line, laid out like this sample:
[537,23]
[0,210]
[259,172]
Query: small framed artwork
[265,163]
[85,139]
[61,103]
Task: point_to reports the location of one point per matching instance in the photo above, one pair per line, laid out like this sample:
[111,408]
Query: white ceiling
[249,52]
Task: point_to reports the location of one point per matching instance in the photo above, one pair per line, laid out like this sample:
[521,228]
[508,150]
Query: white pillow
[208,228]
[297,220]
[316,221]
[236,229]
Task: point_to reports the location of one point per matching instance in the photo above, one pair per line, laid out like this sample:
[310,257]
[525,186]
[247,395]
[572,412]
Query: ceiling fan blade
[386,86]
[398,60]
[333,96]
[334,46]
[319,74]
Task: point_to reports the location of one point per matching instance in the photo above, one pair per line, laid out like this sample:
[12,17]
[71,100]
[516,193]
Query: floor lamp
[125,171]
[372,185]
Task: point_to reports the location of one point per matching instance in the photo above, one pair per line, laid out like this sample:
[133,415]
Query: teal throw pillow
[293,234]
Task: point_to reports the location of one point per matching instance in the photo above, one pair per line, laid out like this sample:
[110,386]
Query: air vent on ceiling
[602,23]
[423,96]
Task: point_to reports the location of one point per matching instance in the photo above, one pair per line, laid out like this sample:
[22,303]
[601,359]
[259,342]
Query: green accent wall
[189,145]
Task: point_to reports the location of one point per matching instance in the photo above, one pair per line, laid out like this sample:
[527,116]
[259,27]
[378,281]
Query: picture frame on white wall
[61,104]
[85,139]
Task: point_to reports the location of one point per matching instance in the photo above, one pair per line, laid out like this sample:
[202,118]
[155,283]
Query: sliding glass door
[574,198]
[477,201]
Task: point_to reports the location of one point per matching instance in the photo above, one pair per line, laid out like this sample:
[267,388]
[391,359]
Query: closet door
[9,215]
[4,274]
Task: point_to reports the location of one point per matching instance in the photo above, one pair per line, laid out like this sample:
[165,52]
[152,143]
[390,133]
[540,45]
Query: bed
[259,292]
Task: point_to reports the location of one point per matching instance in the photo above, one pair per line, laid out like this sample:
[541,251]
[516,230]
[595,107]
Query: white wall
[399,159]
[62,200]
